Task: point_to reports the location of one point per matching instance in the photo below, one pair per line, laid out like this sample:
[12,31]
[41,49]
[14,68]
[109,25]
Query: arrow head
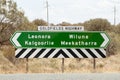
[14,39]
[106,40]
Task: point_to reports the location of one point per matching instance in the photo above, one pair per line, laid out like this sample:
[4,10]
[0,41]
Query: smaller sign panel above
[61,28]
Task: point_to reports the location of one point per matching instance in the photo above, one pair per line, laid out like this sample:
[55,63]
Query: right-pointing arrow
[106,40]
[14,39]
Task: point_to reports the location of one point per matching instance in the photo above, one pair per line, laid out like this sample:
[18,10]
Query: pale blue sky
[72,11]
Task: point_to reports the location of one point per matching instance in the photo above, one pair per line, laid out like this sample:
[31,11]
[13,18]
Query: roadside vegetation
[13,19]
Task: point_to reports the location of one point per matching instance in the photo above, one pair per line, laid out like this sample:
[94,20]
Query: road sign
[60,53]
[60,39]
[61,28]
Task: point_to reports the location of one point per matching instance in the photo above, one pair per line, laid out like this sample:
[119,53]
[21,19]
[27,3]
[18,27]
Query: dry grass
[109,64]
[5,65]
[9,64]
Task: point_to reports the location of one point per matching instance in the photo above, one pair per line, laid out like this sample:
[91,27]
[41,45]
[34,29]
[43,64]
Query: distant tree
[39,22]
[117,29]
[65,24]
[118,25]
[97,24]
[10,19]
[52,24]
[27,25]
[78,24]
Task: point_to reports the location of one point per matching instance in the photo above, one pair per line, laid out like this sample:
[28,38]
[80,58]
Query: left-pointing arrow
[14,39]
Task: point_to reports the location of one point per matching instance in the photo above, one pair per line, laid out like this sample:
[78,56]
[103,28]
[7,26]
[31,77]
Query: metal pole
[27,65]
[62,65]
[114,15]
[94,64]
[47,13]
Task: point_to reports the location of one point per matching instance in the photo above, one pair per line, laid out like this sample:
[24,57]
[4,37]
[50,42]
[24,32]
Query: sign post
[60,42]
[63,60]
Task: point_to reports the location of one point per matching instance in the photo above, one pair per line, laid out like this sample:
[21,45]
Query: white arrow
[14,39]
[106,40]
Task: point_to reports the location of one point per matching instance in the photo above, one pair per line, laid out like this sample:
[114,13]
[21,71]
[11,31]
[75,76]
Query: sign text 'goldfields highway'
[61,28]
[60,39]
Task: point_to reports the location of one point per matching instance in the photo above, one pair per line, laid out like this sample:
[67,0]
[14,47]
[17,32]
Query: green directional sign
[60,39]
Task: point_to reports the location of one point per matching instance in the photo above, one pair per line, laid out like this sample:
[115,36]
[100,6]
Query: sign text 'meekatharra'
[59,39]
[82,43]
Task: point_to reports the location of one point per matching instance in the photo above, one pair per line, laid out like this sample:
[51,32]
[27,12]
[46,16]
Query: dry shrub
[112,47]
[9,52]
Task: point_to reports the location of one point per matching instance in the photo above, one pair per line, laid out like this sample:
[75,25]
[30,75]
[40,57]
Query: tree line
[12,19]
